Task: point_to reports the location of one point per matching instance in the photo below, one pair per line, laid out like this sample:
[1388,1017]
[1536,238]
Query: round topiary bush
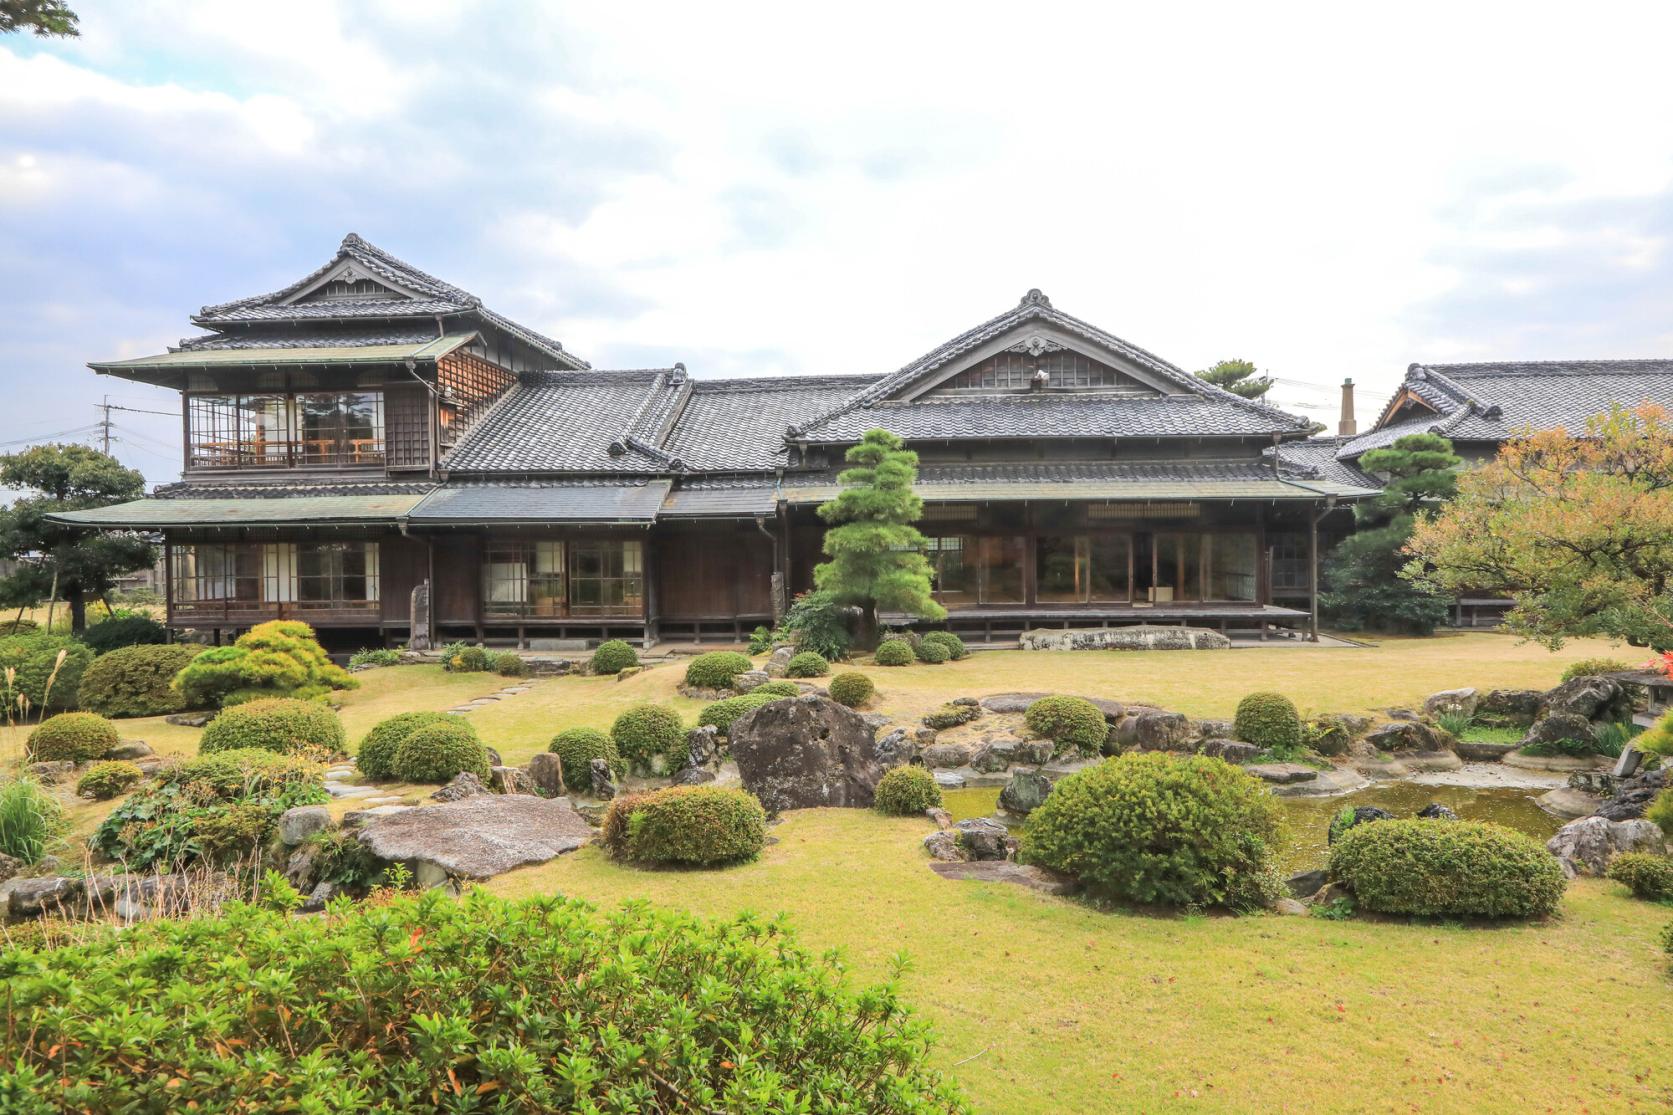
[778,688]
[645,732]
[1446,868]
[613,657]
[375,757]
[955,645]
[697,826]
[1151,827]
[510,664]
[893,652]
[576,748]
[438,752]
[279,724]
[851,689]
[807,664]
[907,791]
[135,681]
[932,653]
[463,658]
[73,736]
[723,712]
[106,780]
[123,631]
[1647,875]
[1073,722]
[1269,721]
[716,669]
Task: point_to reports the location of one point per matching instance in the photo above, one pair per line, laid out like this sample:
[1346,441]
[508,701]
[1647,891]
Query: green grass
[1053,1006]
[1483,733]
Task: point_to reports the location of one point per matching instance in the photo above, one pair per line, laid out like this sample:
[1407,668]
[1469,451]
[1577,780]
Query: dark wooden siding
[402,563]
[458,565]
[406,415]
[713,572]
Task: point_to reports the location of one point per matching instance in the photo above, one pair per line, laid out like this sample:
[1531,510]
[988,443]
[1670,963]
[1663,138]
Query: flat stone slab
[1491,776]
[1283,773]
[1005,871]
[479,837]
[1475,751]
[1567,804]
[1557,762]
[343,790]
[949,780]
[1341,780]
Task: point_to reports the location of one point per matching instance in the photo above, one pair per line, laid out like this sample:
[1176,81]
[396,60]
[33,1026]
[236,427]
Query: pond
[1308,818]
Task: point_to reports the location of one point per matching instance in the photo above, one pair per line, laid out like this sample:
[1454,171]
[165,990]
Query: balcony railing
[324,452]
[233,613]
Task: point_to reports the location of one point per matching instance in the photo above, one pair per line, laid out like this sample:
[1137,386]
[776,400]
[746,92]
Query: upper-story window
[341,429]
[1022,368]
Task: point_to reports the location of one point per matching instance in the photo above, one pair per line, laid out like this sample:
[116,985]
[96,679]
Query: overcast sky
[1329,191]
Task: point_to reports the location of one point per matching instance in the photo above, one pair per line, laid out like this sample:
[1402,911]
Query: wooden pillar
[1314,515]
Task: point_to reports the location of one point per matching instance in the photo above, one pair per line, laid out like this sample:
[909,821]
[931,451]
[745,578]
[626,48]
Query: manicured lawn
[1054,1006]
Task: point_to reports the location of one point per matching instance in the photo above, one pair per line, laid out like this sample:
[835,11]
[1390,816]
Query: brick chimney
[1347,427]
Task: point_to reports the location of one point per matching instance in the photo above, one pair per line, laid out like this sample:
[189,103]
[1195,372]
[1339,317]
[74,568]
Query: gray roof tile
[544,501]
[564,422]
[1050,415]
[740,423]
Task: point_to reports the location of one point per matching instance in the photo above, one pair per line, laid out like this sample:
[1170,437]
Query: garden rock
[1402,714]
[9,866]
[301,822]
[703,744]
[478,838]
[1351,723]
[1031,876]
[1588,698]
[1138,637]
[510,780]
[603,779]
[924,736]
[131,749]
[494,759]
[546,772]
[943,845]
[1025,792]
[991,759]
[189,719]
[946,755]
[940,817]
[876,721]
[465,784]
[1035,752]
[1586,846]
[1010,702]
[750,680]
[48,894]
[984,838]
[1435,811]
[317,898]
[1461,702]
[1559,726]
[1362,815]
[1480,751]
[1215,729]
[1631,798]
[1306,884]
[692,775]
[949,780]
[1407,735]
[1509,708]
[779,661]
[302,868]
[1155,731]
[896,749]
[1282,773]
[1289,907]
[52,773]
[806,752]
[1231,750]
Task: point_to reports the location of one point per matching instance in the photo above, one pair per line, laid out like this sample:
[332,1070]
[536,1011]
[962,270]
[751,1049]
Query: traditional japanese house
[374,451]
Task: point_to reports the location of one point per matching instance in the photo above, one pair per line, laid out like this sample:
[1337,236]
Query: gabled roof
[1494,401]
[414,294]
[740,423]
[1321,454]
[1227,412]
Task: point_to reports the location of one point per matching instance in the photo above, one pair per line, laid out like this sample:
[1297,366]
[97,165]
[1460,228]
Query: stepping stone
[948,780]
[1005,871]
[385,801]
[337,775]
[1282,773]
[338,790]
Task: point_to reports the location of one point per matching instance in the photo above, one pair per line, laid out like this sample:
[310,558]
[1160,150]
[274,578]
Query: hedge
[1073,722]
[893,652]
[693,826]
[613,656]
[124,631]
[136,681]
[576,748]
[375,758]
[1151,827]
[1446,869]
[807,664]
[274,724]
[73,736]
[907,791]
[481,1004]
[852,689]
[644,732]
[716,669]
[438,752]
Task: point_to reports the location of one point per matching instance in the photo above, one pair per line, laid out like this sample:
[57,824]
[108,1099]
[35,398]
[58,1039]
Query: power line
[45,437]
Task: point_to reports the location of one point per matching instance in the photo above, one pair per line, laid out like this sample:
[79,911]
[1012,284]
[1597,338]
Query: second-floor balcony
[278,431]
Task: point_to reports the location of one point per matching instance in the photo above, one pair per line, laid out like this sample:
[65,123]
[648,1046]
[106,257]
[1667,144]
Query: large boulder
[1010,702]
[946,755]
[1155,731]
[1586,846]
[546,772]
[299,823]
[1509,708]
[477,838]
[1407,735]
[985,838]
[806,752]
[1231,750]
[1025,792]
[1137,637]
[1558,726]
[1632,796]
[1461,702]
[1588,698]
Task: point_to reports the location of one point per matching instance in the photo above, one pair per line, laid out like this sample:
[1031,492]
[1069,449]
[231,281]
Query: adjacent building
[373,450]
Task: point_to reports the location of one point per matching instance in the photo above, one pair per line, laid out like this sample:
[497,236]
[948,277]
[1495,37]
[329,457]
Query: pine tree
[877,561]
[1240,377]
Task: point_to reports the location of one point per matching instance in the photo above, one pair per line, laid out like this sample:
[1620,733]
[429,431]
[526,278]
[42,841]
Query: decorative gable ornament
[1035,345]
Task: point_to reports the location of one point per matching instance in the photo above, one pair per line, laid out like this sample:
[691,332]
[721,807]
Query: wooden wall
[715,571]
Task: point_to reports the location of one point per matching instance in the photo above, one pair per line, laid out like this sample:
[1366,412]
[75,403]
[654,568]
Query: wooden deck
[1004,623]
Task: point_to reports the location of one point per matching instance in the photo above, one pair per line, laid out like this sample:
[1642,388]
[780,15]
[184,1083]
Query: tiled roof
[1320,454]
[393,334]
[294,510]
[600,501]
[1495,401]
[1052,415]
[740,423]
[290,488]
[566,422]
[1036,307]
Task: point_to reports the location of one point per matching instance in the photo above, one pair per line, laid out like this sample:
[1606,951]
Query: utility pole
[104,425]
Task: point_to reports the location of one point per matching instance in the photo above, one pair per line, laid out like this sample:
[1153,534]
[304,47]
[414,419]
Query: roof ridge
[355,244]
[1545,367]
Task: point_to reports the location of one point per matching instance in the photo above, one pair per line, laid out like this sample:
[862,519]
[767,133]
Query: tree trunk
[78,608]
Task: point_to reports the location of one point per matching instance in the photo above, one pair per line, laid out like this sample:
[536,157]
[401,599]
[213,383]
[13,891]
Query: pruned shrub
[1151,827]
[48,682]
[691,826]
[613,656]
[376,656]
[277,724]
[375,757]
[723,712]
[109,779]
[951,716]
[807,664]
[1073,722]
[1269,721]
[136,680]
[73,736]
[907,791]
[1446,869]
[716,669]
[438,752]
[852,689]
[932,653]
[484,1003]
[1646,875]
[645,732]
[1592,667]
[278,658]
[955,645]
[510,664]
[131,629]
[576,748]
[893,652]
[251,774]
[465,658]
[31,821]
[818,621]
[778,688]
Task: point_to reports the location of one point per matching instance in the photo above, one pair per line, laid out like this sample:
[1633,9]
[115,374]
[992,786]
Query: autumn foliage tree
[1577,530]
[876,553]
